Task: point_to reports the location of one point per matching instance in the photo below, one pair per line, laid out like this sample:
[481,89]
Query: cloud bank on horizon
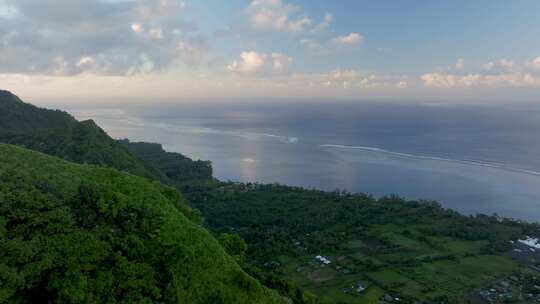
[266,48]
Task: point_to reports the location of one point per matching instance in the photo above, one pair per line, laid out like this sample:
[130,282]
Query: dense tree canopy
[58,133]
[82,234]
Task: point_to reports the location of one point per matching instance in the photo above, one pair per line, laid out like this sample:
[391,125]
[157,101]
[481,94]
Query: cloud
[251,62]
[447,81]
[270,14]
[460,64]
[277,15]
[299,25]
[69,37]
[506,64]
[503,73]
[351,39]
[136,27]
[536,63]
[281,62]
[438,80]
[346,79]
[327,21]
[248,63]
[402,84]
[500,66]
[85,61]
[332,46]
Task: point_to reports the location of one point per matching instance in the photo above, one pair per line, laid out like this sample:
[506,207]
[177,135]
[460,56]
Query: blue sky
[272,48]
[404,36]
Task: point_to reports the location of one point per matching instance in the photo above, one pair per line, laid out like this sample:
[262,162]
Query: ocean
[474,158]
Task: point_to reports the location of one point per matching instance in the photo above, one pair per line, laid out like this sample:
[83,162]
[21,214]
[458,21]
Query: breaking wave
[480,163]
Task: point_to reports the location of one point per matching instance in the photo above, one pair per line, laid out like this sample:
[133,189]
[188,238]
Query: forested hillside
[178,170]
[58,133]
[82,234]
[19,117]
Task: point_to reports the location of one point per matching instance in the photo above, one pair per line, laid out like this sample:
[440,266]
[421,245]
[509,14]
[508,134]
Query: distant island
[85,218]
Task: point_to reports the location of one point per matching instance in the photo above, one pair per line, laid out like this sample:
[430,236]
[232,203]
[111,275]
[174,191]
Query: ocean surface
[472,158]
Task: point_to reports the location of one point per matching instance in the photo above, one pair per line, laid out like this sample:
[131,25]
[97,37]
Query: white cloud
[298,25]
[500,66]
[536,63]
[248,63]
[327,21]
[332,46]
[460,64]
[281,62]
[438,80]
[136,27]
[402,84]
[344,74]
[270,14]
[277,15]
[58,37]
[346,79]
[85,62]
[351,39]
[447,81]
[251,62]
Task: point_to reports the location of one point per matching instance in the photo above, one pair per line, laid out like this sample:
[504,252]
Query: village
[359,287]
[519,287]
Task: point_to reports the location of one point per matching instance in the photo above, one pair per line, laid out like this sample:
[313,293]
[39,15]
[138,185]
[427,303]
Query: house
[360,287]
[322,259]
[531,242]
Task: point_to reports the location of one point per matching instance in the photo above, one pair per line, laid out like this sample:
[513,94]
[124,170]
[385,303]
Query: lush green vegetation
[407,249]
[19,117]
[175,168]
[59,134]
[82,234]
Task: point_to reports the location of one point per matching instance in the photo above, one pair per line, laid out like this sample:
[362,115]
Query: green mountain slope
[19,117]
[180,170]
[59,134]
[83,234]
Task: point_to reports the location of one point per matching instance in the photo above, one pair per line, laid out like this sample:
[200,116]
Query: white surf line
[248,135]
[422,157]
[203,130]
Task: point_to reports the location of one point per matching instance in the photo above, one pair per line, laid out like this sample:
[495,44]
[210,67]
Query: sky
[259,49]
